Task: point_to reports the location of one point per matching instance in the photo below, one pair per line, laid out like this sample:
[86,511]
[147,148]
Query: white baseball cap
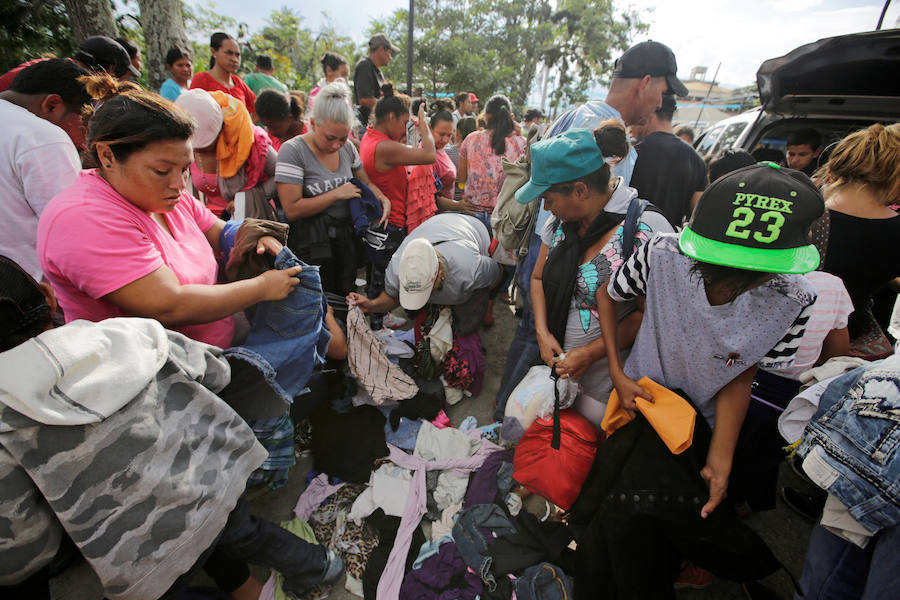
[418,271]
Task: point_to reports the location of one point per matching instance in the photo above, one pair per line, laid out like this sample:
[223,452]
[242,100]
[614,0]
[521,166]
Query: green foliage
[31,30]
[128,21]
[498,46]
[295,49]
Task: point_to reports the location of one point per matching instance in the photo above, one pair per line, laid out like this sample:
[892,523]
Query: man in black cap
[668,172]
[100,53]
[641,76]
[367,77]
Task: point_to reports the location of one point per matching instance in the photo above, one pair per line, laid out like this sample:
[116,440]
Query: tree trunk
[91,17]
[163,26]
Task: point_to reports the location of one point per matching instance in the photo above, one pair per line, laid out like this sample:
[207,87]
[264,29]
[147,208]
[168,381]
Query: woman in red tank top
[385,156]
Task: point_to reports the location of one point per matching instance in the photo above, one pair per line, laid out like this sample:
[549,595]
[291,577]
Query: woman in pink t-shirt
[127,240]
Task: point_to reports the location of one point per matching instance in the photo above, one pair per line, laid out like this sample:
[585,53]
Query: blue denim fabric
[835,569]
[407,432]
[261,542]
[523,353]
[856,436]
[509,271]
[545,581]
[289,334]
[429,549]
[471,542]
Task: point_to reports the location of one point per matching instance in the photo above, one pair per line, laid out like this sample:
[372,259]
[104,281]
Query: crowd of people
[200,283]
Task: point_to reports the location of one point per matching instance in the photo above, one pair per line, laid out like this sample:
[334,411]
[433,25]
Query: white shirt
[37,161]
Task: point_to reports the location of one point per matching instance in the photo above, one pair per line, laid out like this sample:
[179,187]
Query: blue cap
[559,159]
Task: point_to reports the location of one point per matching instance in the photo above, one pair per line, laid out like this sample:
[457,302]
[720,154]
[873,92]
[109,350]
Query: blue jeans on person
[261,542]
[836,569]
[509,271]
[524,351]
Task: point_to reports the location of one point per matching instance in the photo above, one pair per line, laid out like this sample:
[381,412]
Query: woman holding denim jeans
[126,239]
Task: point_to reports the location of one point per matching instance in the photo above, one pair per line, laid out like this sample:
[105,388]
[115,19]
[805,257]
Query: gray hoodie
[113,432]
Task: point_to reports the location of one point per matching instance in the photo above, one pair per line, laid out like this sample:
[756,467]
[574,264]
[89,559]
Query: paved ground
[786,533]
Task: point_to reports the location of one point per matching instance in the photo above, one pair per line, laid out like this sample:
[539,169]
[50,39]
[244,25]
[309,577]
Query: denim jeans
[855,442]
[289,333]
[524,351]
[261,542]
[836,569]
[470,541]
[509,271]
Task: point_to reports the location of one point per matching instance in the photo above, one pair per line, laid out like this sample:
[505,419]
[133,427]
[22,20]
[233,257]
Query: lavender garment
[438,573]
[484,485]
[471,351]
[392,577]
[312,497]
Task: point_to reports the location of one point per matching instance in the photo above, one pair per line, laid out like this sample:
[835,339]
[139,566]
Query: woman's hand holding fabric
[354,299]
[550,348]
[278,283]
[385,209]
[574,363]
[628,389]
[269,244]
[347,191]
[466,207]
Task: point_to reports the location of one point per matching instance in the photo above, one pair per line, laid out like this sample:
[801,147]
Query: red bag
[557,475]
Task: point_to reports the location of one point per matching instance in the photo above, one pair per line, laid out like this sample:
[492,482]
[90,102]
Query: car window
[709,139]
[729,137]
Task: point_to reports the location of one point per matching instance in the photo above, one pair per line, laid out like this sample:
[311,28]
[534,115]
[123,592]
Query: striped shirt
[685,343]
[830,311]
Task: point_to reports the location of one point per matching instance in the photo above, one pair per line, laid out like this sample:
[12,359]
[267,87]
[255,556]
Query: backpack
[512,222]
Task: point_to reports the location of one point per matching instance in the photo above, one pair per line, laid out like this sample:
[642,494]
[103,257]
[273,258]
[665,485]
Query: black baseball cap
[756,218]
[654,59]
[99,51]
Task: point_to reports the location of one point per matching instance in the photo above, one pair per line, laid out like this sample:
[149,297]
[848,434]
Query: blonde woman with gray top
[313,178]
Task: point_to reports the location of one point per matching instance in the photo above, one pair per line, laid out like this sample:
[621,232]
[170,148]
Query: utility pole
[409,47]
[708,92]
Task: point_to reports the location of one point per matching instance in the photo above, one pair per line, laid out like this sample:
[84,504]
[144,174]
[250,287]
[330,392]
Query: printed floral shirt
[485,174]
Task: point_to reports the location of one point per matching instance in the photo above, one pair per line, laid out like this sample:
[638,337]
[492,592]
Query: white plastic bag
[533,399]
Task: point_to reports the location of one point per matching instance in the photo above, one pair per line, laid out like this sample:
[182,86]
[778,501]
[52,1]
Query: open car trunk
[855,75]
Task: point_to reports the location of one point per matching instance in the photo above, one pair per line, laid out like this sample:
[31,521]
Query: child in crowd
[721,300]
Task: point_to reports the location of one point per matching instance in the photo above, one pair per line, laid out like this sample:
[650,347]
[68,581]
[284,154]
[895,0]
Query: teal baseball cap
[559,159]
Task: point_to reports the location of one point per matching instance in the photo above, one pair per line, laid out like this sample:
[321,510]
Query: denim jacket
[289,334]
[851,446]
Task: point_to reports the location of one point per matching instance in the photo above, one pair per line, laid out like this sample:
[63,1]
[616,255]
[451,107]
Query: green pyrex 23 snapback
[756,218]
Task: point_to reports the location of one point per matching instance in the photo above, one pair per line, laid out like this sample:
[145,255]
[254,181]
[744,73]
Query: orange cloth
[236,139]
[669,414]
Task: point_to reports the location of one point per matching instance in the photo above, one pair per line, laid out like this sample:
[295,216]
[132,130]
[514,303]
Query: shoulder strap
[629,227]
[555,441]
